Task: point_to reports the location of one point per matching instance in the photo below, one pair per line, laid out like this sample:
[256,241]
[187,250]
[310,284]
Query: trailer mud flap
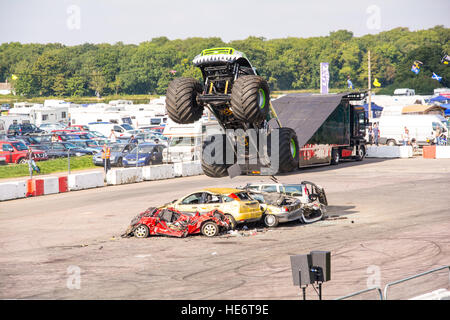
[305,113]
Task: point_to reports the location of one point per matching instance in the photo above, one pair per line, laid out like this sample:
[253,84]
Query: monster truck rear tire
[181,100]
[214,170]
[288,152]
[250,98]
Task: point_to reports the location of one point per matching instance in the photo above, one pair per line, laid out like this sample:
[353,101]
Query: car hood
[132,156]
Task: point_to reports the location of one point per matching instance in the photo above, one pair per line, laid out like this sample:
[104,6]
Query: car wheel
[119,162]
[270,220]
[232,221]
[142,231]
[22,161]
[210,229]
[391,143]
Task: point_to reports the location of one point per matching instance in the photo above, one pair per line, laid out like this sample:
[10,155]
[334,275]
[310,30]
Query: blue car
[146,154]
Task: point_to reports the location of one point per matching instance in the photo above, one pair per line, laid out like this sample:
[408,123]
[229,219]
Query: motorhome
[420,127]
[404,92]
[185,140]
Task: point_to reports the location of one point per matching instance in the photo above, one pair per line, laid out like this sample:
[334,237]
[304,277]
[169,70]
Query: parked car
[81,135]
[22,129]
[171,222]
[49,127]
[145,153]
[278,208]
[27,140]
[58,148]
[17,151]
[311,196]
[77,128]
[118,152]
[236,204]
[90,145]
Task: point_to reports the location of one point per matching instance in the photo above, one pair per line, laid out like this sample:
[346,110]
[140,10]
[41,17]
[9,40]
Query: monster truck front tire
[288,150]
[250,98]
[181,100]
[219,168]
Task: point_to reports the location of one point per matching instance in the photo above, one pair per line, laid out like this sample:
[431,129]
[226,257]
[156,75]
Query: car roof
[222,190]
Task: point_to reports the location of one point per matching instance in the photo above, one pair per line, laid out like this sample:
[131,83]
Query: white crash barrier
[158,172]
[185,169]
[124,176]
[440,294]
[442,152]
[13,190]
[389,152]
[51,185]
[80,181]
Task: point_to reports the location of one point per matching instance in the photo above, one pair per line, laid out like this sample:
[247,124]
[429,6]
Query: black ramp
[305,113]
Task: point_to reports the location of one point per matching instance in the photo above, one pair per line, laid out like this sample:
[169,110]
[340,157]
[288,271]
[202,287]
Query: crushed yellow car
[236,204]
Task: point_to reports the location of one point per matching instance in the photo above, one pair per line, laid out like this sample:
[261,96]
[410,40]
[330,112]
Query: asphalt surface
[387,219]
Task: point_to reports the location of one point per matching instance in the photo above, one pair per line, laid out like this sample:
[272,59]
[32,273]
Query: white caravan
[185,140]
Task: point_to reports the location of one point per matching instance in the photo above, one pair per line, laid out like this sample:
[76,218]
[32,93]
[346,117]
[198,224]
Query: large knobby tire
[216,169]
[250,98]
[288,152]
[181,100]
[335,156]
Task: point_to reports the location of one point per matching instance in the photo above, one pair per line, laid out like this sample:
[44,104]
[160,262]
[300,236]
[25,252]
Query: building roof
[5,86]
[423,108]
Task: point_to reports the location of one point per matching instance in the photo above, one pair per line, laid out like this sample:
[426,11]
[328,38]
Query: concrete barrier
[13,190]
[185,169]
[442,152]
[80,181]
[51,185]
[389,152]
[124,176]
[158,172]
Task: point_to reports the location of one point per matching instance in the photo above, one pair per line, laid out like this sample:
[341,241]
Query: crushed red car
[171,222]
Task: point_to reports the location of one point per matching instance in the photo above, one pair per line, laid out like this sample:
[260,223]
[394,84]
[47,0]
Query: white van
[121,130]
[185,140]
[420,127]
[404,92]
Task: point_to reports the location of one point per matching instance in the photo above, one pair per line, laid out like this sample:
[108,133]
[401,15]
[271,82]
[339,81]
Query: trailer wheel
[335,156]
[361,153]
[391,143]
[181,100]
[288,152]
[210,168]
[250,98]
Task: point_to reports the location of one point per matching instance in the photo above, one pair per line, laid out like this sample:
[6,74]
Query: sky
[74,22]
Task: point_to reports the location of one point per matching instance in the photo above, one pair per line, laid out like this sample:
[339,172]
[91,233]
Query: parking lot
[386,215]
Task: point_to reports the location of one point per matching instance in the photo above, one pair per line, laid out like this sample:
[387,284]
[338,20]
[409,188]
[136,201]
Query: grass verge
[49,166]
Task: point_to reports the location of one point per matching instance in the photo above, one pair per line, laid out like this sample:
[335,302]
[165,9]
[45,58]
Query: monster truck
[240,100]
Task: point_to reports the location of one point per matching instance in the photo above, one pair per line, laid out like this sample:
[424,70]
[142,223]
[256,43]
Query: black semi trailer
[328,127]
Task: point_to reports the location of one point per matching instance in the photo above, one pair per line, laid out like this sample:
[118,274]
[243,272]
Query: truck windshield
[182,141]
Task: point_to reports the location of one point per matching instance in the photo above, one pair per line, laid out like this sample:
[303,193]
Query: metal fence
[391,284]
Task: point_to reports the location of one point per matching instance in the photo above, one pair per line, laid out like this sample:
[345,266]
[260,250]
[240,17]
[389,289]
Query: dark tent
[376,110]
[439,99]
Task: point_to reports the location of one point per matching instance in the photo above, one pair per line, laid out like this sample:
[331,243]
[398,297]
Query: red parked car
[77,127]
[171,222]
[16,152]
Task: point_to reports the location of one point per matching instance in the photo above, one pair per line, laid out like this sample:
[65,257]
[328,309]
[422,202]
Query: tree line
[287,64]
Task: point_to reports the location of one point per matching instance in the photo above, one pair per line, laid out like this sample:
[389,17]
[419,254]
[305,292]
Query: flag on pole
[376,83]
[415,69]
[436,77]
